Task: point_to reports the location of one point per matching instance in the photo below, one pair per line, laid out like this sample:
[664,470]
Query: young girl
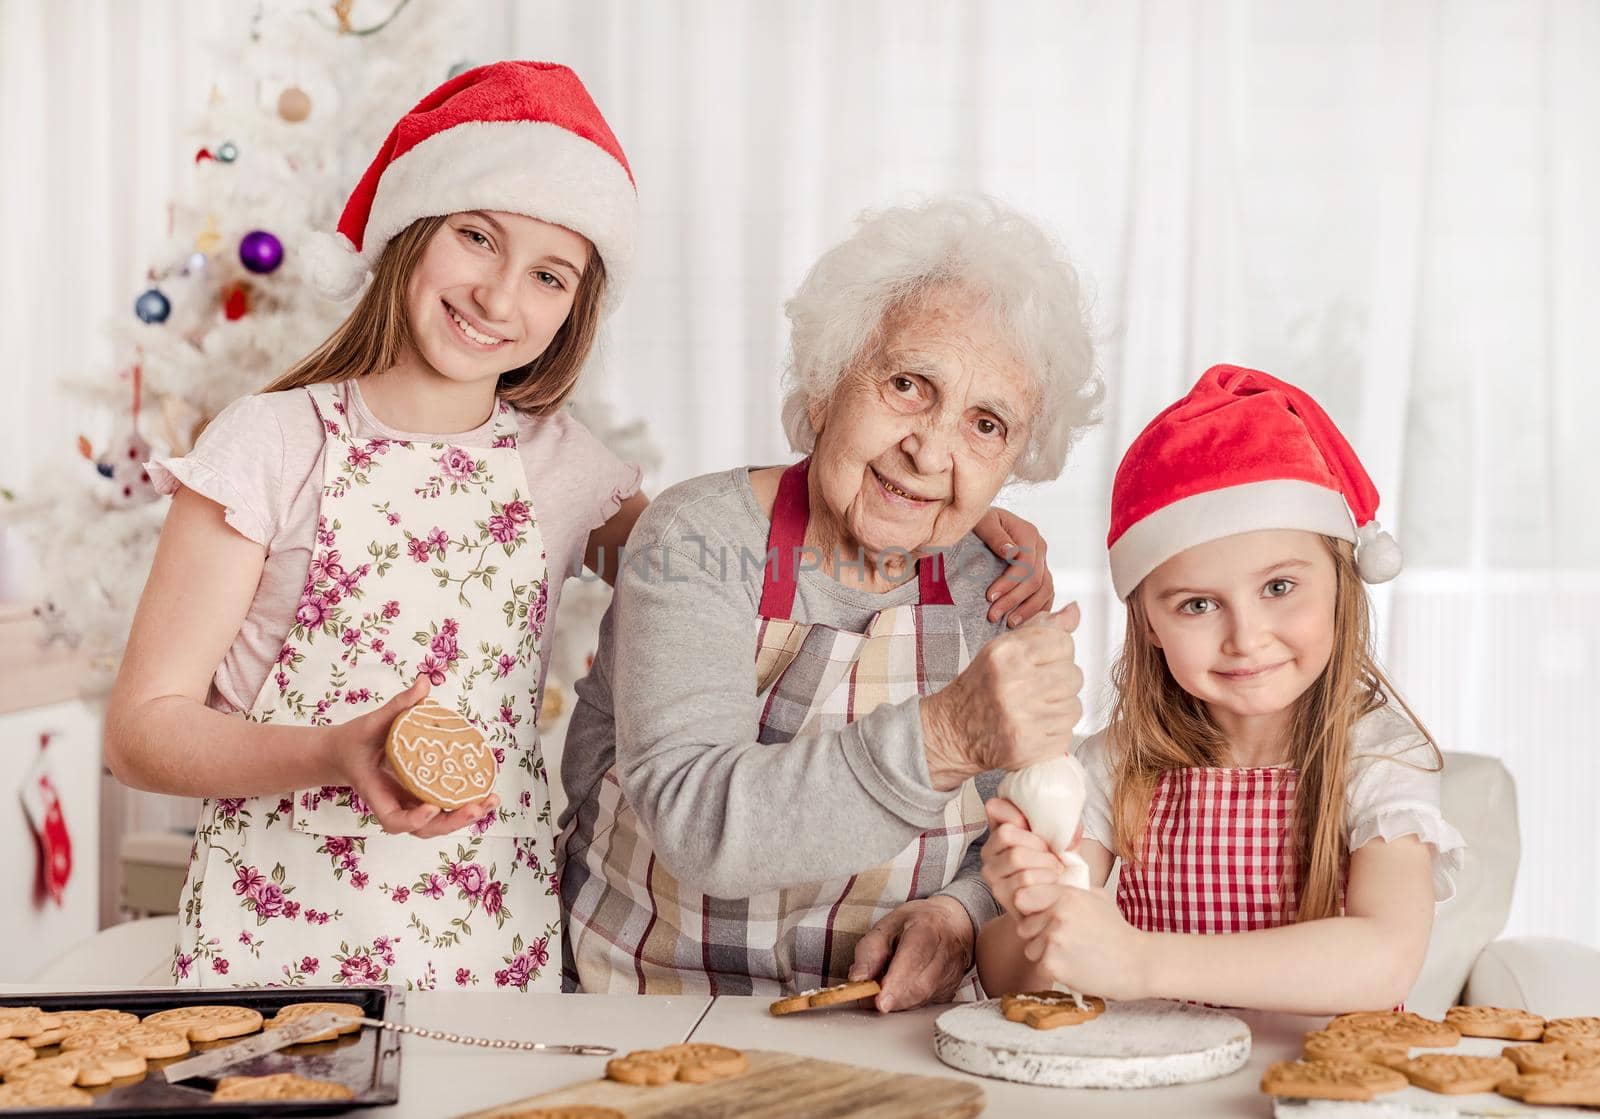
[324,565]
[1259,777]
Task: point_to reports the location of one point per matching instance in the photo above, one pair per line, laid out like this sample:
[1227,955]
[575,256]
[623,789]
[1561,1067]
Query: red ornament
[236,302]
[202,155]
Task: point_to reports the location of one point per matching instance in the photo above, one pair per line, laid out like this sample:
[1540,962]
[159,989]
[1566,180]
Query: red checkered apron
[1216,853]
[633,927]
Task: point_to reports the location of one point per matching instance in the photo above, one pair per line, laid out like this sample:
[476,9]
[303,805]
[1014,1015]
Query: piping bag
[1051,795]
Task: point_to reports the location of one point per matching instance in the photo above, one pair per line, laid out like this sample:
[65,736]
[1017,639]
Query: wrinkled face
[490,292]
[922,433]
[1245,622]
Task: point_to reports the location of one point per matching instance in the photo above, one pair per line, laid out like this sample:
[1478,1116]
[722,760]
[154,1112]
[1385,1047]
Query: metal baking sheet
[367,1062]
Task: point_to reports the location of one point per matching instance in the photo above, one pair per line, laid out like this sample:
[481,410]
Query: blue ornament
[260,252]
[152,307]
[227,152]
[197,263]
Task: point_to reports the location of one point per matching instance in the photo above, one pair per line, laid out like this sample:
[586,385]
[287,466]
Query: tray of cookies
[1484,1061]
[104,1050]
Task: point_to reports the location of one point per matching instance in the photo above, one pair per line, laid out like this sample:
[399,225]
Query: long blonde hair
[377,333]
[1156,726]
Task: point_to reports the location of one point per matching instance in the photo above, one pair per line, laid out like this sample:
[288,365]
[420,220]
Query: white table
[903,1042]
[438,1079]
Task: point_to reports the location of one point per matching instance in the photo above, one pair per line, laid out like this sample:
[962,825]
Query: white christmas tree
[309,97]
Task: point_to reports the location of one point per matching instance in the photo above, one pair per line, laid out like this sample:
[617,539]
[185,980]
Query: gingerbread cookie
[147,1041]
[278,1086]
[26,1021]
[643,1066]
[87,1068]
[1330,1080]
[207,1023]
[1575,1030]
[41,1093]
[820,997]
[14,1052]
[439,756]
[1400,1026]
[1495,1021]
[1553,1088]
[73,1020]
[1046,1010]
[1552,1056]
[1455,1074]
[1351,1046]
[699,1063]
[296,1011]
[691,1063]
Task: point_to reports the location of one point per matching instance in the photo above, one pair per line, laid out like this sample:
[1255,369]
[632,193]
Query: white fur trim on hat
[522,167]
[333,265]
[1203,517]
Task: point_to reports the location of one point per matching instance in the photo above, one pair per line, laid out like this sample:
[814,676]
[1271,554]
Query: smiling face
[1246,623]
[923,431]
[490,292]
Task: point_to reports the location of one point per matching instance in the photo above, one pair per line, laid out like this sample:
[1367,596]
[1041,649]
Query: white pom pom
[333,265]
[1377,554]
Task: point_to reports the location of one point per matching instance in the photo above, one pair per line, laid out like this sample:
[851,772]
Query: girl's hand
[1013,856]
[1079,938]
[356,753]
[1025,588]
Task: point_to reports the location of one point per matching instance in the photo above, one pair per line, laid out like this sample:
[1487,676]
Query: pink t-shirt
[261,460]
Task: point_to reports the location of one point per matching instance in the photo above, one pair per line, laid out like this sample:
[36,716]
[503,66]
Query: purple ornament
[260,251]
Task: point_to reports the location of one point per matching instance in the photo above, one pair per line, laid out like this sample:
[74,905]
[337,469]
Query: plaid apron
[632,927]
[428,561]
[1216,853]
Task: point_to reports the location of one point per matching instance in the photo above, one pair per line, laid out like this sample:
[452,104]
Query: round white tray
[1141,1044]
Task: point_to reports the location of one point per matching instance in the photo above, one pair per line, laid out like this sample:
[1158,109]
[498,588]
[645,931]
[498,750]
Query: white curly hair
[979,245]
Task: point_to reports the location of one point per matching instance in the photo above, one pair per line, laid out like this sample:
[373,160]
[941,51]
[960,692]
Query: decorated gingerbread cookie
[820,997]
[439,756]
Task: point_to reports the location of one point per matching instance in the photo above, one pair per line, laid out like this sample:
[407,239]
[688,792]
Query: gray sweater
[672,700]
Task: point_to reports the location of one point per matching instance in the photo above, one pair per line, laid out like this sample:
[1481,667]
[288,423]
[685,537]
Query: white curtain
[1390,202]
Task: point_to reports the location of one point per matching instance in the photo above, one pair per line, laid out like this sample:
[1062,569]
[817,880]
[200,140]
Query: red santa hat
[522,137]
[1241,452]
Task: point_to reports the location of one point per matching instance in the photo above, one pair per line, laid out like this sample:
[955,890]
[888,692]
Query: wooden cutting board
[776,1086]
[1141,1044]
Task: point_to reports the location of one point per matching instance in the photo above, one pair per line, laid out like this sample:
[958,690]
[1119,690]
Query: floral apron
[1216,853]
[632,927]
[428,561]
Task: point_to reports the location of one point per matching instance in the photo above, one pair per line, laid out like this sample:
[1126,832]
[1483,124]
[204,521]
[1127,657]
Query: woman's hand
[918,954]
[1015,704]
[1013,856]
[1024,588]
[1080,938]
[356,753]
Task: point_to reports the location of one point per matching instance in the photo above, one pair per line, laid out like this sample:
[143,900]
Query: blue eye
[475,237]
[550,280]
[1197,606]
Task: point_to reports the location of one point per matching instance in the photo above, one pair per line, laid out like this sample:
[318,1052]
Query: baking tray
[367,1062]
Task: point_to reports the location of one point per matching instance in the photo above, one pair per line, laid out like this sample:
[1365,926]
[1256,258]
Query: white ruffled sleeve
[1094,754]
[1393,791]
[237,462]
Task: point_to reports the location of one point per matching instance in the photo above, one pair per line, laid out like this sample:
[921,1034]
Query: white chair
[132,954]
[1465,962]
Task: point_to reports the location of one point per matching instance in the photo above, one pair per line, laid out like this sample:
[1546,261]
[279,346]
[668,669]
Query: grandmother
[777,767]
